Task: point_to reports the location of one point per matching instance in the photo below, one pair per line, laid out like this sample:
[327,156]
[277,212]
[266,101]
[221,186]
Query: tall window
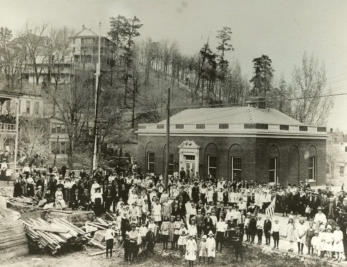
[54,147]
[54,128]
[62,148]
[212,166]
[273,170]
[236,168]
[58,147]
[27,107]
[312,168]
[150,161]
[342,171]
[37,108]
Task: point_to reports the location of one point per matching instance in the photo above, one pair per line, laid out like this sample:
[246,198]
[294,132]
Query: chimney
[331,130]
[257,102]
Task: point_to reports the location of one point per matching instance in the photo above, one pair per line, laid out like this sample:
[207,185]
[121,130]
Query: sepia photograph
[158,133]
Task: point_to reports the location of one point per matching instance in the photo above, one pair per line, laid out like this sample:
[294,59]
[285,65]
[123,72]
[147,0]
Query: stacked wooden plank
[76,217]
[57,236]
[22,204]
[13,241]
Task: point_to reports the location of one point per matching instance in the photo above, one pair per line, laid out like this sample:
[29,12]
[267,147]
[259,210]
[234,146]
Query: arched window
[211,158]
[273,164]
[235,163]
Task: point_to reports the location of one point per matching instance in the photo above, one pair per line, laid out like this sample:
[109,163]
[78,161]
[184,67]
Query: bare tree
[12,57]
[74,103]
[33,139]
[309,85]
[35,43]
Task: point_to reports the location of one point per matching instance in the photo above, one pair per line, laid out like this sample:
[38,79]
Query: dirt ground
[253,256]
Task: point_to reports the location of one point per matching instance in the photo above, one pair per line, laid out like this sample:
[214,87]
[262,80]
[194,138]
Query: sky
[283,30]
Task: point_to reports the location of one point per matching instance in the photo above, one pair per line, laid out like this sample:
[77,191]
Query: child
[329,239]
[150,241]
[211,247]
[301,235]
[338,243]
[309,235]
[315,244]
[164,229]
[247,220]
[237,244]
[276,233]
[172,231]
[267,230]
[177,231]
[152,225]
[203,249]
[291,233]
[191,249]
[182,239]
[109,238]
[221,228]
[260,225]
[143,232]
[321,241]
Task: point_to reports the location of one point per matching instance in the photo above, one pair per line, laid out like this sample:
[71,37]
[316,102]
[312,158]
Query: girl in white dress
[301,235]
[203,249]
[329,240]
[191,250]
[338,243]
[315,244]
[211,247]
[182,239]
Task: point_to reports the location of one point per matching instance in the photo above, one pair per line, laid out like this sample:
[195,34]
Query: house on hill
[238,143]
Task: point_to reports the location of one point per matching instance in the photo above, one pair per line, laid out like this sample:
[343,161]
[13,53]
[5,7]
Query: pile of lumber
[22,204]
[76,217]
[13,241]
[57,236]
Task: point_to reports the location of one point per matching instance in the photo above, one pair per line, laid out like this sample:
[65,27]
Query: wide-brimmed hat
[204,237]
[210,233]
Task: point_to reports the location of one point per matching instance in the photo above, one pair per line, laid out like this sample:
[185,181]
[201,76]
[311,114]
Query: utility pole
[166,178]
[56,151]
[17,133]
[97,75]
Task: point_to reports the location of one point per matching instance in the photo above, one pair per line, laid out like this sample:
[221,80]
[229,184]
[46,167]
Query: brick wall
[256,152]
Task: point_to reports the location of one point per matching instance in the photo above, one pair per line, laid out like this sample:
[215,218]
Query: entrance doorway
[189,165]
[189,157]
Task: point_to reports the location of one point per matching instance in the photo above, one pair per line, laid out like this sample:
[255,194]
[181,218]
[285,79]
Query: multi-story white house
[337,157]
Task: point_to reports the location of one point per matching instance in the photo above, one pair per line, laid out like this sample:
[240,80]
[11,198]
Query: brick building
[238,143]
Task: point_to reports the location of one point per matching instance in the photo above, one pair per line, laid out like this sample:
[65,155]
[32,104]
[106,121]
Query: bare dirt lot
[253,256]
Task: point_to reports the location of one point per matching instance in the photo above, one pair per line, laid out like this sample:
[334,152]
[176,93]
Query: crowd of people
[196,217]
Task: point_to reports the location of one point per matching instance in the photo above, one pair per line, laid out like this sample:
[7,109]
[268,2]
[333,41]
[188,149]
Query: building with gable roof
[238,143]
